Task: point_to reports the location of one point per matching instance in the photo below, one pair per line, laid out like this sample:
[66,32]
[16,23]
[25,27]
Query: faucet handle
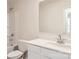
[59,36]
[59,39]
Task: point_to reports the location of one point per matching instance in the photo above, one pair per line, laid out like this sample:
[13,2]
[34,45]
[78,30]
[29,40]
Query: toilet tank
[22,45]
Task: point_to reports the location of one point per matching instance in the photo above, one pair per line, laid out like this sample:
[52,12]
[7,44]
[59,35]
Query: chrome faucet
[59,39]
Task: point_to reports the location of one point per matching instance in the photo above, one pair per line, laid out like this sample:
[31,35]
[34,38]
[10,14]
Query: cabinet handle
[48,57]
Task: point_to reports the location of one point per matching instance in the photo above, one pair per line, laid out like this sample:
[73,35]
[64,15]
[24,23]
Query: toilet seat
[15,54]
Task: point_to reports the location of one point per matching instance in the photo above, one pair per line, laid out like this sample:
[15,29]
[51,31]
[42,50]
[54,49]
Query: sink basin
[60,44]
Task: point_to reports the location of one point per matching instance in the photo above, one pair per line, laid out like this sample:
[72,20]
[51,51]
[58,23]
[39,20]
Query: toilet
[17,54]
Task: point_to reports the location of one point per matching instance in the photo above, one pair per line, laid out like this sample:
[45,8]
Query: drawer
[53,54]
[34,49]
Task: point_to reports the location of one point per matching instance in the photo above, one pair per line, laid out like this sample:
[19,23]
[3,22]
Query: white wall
[52,16]
[26,19]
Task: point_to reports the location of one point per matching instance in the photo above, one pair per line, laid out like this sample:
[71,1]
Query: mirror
[54,16]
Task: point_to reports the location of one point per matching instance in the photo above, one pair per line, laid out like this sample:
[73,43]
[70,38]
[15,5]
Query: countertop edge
[49,48]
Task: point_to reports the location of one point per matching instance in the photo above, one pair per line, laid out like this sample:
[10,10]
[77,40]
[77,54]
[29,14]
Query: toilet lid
[15,53]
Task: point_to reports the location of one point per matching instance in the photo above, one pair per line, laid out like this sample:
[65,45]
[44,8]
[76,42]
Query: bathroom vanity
[41,49]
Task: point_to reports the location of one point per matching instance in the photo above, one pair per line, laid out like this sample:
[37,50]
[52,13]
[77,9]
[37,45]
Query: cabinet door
[34,49]
[69,57]
[52,57]
[32,55]
[34,52]
[50,54]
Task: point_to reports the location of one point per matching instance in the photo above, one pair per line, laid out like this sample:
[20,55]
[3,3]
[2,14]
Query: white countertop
[44,43]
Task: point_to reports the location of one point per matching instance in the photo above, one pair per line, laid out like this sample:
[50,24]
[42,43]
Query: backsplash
[51,36]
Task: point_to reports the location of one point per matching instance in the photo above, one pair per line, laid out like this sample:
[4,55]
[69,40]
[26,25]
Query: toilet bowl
[16,54]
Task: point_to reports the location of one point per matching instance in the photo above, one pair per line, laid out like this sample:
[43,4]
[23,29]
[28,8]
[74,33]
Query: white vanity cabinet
[35,52]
